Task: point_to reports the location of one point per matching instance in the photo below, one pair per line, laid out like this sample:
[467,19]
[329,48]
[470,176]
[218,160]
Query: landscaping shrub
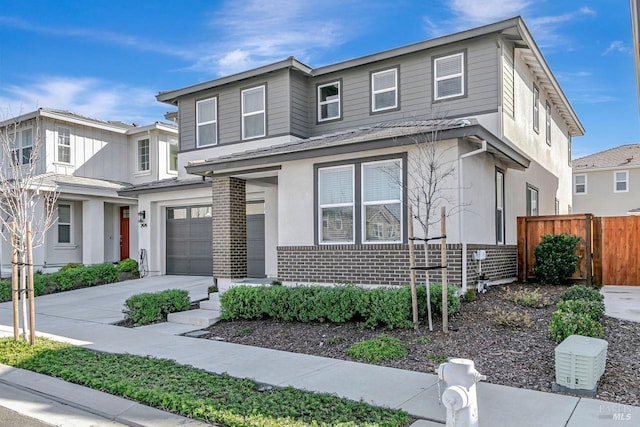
[528,298]
[127,266]
[565,323]
[453,301]
[576,292]
[556,259]
[390,308]
[71,266]
[383,347]
[511,319]
[5,290]
[147,308]
[594,309]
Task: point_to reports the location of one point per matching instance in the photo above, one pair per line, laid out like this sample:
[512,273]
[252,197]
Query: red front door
[124,232]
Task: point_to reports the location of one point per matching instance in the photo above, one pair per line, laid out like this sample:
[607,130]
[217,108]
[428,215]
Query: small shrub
[576,292]
[528,298]
[556,259]
[148,308]
[470,296]
[127,266]
[212,289]
[565,323]
[424,340]
[5,290]
[335,341]
[453,301]
[511,319]
[437,358]
[594,309]
[383,347]
[71,266]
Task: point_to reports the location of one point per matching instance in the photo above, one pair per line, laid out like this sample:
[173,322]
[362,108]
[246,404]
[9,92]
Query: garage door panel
[189,243]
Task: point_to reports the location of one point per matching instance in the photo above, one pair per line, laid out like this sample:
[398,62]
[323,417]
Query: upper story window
[329,101]
[580,184]
[64,145]
[448,79]
[532,201]
[548,123]
[22,146]
[172,165]
[64,223]
[620,181]
[207,122]
[253,113]
[143,155]
[384,90]
[536,109]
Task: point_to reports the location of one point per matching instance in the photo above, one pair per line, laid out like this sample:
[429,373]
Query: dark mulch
[522,357]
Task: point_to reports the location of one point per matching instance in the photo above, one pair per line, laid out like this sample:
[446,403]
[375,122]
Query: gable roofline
[625,156]
[167,127]
[171,96]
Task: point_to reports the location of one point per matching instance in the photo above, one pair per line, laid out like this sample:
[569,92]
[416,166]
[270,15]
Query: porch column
[229,229]
[271,231]
[92,232]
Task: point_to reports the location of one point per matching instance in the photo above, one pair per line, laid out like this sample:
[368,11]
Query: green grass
[383,347]
[193,392]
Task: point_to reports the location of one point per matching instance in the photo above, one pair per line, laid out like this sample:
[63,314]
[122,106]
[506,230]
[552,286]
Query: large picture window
[329,101]
[360,202]
[253,113]
[448,79]
[207,122]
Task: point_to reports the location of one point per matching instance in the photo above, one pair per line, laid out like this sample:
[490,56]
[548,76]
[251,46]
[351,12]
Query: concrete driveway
[622,302]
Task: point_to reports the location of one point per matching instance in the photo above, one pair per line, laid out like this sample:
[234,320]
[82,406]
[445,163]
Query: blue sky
[108,59]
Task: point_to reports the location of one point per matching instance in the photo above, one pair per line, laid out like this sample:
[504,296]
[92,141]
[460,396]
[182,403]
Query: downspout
[482,149]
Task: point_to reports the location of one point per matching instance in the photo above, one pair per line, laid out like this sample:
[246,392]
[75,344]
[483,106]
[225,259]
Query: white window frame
[337,205]
[59,144]
[459,75]
[321,103]
[172,143]
[616,181]
[500,202]
[139,157]
[575,184]
[69,224]
[263,111]
[536,109]
[209,122]
[375,91]
[548,122]
[363,210]
[18,145]
[531,190]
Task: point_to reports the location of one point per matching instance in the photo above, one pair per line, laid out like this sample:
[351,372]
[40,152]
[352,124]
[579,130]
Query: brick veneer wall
[229,228]
[386,264]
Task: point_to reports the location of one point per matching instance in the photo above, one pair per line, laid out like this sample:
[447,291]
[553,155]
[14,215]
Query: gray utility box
[580,362]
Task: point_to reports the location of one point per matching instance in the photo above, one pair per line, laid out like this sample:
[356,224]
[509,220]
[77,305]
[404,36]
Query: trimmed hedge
[146,308]
[556,259]
[390,308]
[579,312]
[127,266]
[577,292]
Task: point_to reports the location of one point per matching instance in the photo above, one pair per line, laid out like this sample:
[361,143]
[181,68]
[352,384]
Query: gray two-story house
[306,174]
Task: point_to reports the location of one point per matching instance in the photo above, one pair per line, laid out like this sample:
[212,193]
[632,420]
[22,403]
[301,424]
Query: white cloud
[476,12]
[89,97]
[616,46]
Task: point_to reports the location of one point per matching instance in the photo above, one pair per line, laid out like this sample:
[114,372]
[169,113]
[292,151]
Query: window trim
[69,224]
[319,103]
[536,109]
[548,122]
[502,210]
[58,145]
[214,121]
[363,213]
[530,190]
[575,184]
[626,181]
[373,92]
[138,157]
[462,75]
[263,112]
[317,220]
[19,147]
[557,207]
[169,145]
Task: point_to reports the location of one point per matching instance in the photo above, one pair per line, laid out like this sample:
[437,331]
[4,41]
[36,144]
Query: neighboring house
[608,183]
[87,161]
[298,164]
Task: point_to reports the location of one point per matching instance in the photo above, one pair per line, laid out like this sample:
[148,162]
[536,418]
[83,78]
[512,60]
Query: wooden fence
[609,250]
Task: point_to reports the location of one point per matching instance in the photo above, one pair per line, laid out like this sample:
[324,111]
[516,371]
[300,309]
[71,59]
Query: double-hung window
[548,123]
[536,109]
[64,145]
[207,124]
[22,146]
[620,181]
[336,204]
[64,223]
[329,101]
[173,156]
[253,113]
[360,202]
[499,207]
[384,90]
[580,184]
[532,201]
[448,79]
[143,155]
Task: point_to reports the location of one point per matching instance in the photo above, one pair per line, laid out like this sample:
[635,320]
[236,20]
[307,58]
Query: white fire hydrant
[460,397]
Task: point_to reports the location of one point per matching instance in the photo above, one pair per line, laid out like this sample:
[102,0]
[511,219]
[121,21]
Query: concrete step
[201,318]
[210,305]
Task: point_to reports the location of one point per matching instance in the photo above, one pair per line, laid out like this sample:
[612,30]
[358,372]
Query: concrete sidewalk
[65,317]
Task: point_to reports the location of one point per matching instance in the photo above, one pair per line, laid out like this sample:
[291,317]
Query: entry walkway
[65,317]
[622,302]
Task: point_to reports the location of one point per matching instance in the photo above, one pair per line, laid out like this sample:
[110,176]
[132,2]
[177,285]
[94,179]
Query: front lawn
[193,392]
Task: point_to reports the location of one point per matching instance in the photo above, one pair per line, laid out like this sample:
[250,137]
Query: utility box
[580,362]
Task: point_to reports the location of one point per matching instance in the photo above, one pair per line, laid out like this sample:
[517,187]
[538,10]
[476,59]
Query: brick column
[229,228]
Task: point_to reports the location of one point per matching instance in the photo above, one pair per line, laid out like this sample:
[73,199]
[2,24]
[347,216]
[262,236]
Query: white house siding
[56,255]
[600,198]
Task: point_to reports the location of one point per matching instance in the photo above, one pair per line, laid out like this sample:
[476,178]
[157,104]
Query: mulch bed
[522,357]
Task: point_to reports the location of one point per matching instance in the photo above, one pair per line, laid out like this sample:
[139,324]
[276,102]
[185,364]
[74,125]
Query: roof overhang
[164,186]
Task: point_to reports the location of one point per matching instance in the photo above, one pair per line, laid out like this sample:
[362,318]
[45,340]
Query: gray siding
[299,104]
[508,81]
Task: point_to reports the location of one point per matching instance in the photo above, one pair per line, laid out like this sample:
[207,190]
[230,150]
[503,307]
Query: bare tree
[26,204]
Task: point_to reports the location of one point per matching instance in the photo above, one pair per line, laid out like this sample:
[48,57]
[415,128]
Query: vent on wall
[580,362]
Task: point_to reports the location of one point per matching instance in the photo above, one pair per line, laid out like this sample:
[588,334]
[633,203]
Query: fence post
[522,249]
[587,224]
